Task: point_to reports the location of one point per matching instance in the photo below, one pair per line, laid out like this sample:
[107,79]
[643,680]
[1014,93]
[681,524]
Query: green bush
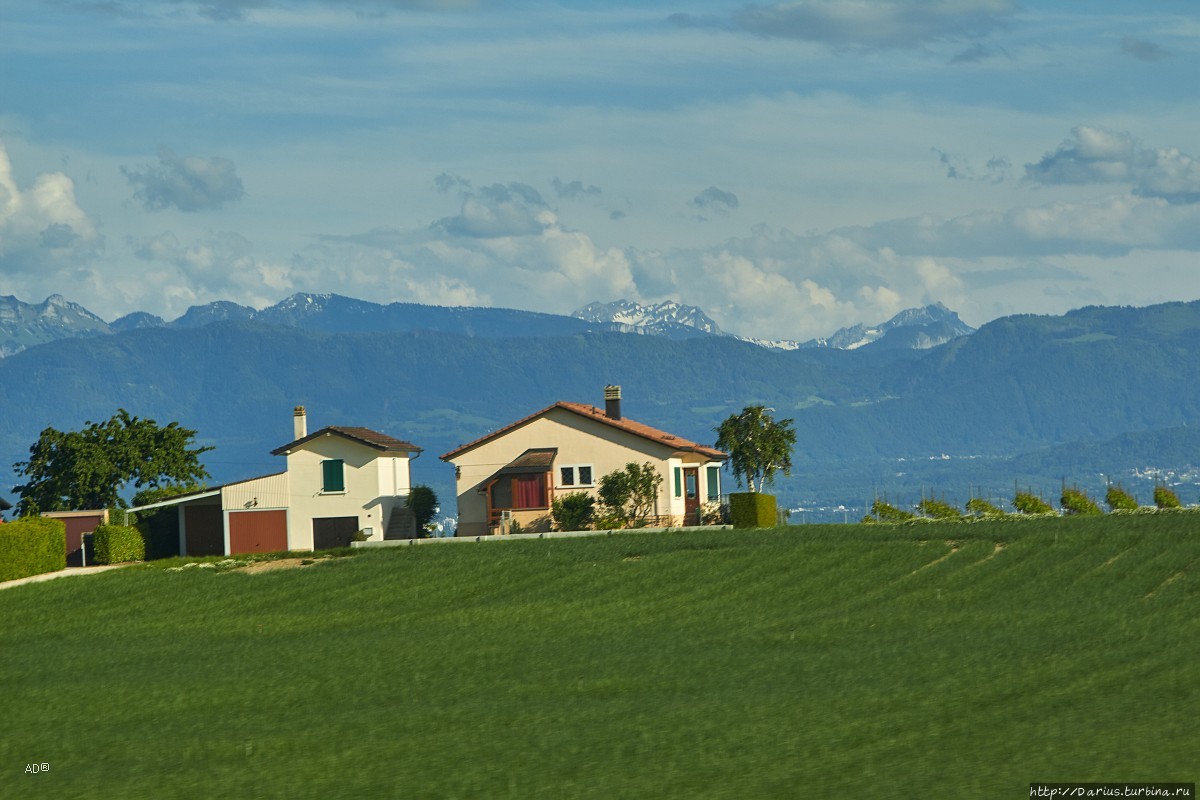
[1165,498]
[116,544]
[752,510]
[31,546]
[574,511]
[1030,503]
[938,509]
[1120,500]
[981,507]
[1076,501]
[423,502]
[885,512]
[609,522]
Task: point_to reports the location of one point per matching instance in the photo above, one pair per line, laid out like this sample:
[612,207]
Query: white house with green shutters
[339,481]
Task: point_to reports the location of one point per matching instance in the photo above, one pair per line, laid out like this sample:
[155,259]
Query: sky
[790,168]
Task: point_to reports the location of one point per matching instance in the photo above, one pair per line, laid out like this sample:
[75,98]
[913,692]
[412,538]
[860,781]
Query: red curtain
[530,491]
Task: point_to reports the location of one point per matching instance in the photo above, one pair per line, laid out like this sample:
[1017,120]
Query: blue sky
[791,168]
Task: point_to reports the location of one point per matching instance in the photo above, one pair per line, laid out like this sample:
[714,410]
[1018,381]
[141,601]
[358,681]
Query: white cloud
[1099,155]
[43,231]
[714,199]
[186,183]
[513,209]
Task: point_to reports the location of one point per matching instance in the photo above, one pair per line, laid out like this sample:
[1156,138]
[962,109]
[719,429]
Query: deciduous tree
[758,445]
[89,468]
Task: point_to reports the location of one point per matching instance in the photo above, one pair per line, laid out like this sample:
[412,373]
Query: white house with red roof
[338,481]
[514,473]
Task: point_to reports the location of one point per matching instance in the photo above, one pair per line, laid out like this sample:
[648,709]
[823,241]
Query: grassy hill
[817,661]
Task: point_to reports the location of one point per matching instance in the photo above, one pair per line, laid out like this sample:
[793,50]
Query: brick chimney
[612,402]
[299,423]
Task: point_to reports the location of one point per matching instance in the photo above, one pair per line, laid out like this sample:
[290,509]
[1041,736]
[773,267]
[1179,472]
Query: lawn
[941,661]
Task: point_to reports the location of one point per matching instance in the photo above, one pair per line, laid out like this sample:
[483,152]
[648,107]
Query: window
[714,483]
[520,491]
[575,475]
[333,475]
[678,482]
[529,491]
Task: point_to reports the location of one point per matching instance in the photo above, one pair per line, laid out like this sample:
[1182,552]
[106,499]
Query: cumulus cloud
[504,247]
[509,209]
[877,24]
[43,231]
[574,189]
[186,183]
[1098,155]
[714,199]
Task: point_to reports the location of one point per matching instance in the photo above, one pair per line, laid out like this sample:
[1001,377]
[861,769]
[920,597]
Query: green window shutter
[714,483]
[678,482]
[333,476]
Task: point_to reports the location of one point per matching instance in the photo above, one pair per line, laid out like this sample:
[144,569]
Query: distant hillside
[1020,385]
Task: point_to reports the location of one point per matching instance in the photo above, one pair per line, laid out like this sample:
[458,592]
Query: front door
[691,495]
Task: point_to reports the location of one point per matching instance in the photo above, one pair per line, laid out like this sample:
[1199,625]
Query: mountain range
[23,325]
[1029,400]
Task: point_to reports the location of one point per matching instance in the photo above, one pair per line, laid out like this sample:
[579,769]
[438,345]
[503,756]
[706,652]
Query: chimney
[612,402]
[299,422]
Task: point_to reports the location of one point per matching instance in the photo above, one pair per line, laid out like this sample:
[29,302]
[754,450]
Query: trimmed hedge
[752,510]
[31,546]
[118,543]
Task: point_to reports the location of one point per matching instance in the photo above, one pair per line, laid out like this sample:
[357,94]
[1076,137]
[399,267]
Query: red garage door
[257,531]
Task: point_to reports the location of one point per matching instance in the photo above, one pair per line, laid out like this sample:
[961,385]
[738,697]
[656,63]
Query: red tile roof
[597,414]
[374,439]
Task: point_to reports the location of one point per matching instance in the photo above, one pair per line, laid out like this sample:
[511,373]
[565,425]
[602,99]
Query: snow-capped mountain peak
[667,317]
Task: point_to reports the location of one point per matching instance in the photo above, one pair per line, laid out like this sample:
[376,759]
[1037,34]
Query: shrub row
[115,544]
[31,546]
[1074,501]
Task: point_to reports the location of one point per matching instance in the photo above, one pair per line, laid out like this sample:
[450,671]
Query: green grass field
[936,661]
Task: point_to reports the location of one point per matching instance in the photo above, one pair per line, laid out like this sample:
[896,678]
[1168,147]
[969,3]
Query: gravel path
[62,573]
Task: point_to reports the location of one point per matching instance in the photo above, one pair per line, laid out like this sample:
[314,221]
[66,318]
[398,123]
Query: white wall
[373,480]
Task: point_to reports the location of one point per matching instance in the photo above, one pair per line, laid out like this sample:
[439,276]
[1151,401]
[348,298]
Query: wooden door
[691,495]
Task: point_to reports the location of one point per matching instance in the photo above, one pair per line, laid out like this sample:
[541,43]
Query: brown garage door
[257,531]
[205,530]
[331,532]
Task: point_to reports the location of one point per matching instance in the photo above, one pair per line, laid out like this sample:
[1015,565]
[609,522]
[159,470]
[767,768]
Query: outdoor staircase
[401,524]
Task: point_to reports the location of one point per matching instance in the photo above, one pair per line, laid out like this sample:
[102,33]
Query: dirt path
[62,573]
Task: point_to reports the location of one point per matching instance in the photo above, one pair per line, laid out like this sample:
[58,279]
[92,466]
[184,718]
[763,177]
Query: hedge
[31,546]
[752,510]
[117,543]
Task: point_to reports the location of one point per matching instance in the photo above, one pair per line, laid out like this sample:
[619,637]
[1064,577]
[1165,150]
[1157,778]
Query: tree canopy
[758,445]
[87,469]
